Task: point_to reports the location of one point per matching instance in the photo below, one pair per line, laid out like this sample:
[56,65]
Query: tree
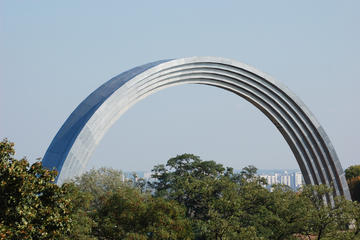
[98,182]
[120,210]
[354,187]
[220,203]
[139,183]
[81,214]
[352,171]
[280,214]
[32,206]
[330,220]
[352,175]
[129,214]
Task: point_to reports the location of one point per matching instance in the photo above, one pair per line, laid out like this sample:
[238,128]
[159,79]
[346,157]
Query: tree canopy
[222,204]
[352,174]
[32,206]
[188,198]
[352,171]
[119,209]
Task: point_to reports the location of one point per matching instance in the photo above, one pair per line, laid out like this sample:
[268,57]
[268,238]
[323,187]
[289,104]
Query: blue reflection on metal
[60,146]
[76,140]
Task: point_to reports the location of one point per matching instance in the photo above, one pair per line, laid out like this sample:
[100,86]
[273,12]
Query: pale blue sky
[55,53]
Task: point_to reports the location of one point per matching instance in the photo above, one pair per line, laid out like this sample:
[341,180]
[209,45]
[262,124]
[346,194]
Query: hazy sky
[53,54]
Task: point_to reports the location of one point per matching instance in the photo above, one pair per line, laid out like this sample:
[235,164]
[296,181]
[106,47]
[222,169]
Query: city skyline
[290,177]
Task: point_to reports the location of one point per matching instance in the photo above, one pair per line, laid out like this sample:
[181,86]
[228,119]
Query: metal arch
[76,140]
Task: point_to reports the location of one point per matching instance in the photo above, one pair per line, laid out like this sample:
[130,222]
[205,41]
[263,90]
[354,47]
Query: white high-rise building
[147,175]
[291,179]
[298,179]
[275,178]
[286,180]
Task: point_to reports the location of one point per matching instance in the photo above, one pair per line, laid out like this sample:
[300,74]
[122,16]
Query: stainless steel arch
[74,143]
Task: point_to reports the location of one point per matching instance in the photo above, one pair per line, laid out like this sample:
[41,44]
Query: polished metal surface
[73,145]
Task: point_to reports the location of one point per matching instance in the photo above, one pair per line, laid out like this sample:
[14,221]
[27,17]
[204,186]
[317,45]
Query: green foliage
[118,209]
[225,205]
[97,182]
[190,199]
[32,206]
[352,171]
[189,180]
[81,214]
[220,203]
[139,183]
[352,174]
[354,187]
[324,214]
[127,213]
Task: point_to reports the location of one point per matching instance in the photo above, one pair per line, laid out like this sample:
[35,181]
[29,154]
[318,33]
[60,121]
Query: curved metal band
[73,145]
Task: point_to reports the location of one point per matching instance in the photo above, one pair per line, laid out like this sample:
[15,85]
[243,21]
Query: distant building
[286,180]
[298,180]
[292,179]
[147,175]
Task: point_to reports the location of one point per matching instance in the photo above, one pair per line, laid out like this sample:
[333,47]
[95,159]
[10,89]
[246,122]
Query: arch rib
[77,138]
